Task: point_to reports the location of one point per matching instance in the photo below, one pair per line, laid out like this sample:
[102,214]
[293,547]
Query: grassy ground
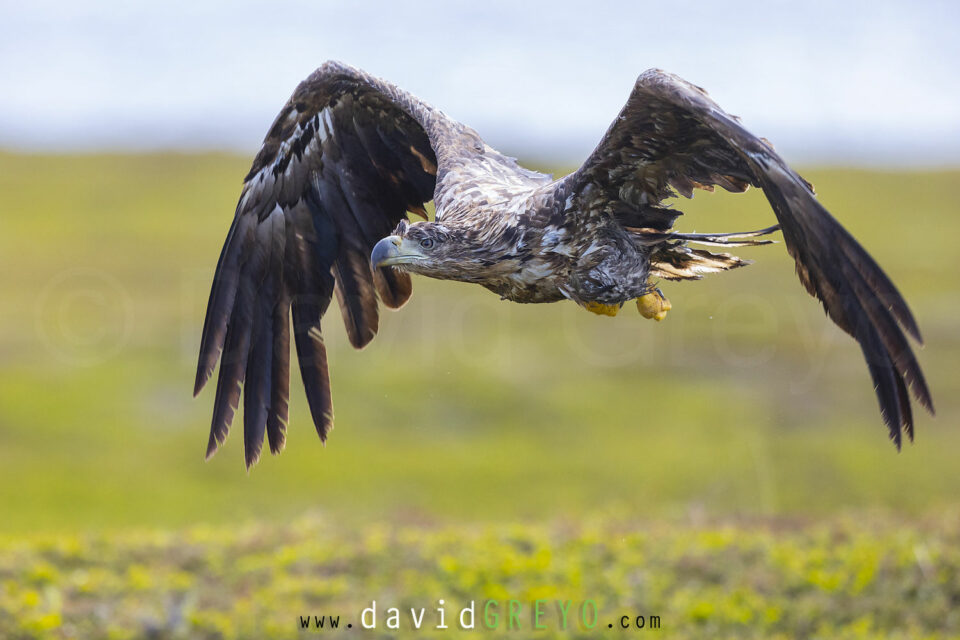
[466,412]
[847,578]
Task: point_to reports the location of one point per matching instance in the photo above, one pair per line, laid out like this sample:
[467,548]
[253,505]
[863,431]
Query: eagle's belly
[555,252]
[601,264]
[540,279]
[610,274]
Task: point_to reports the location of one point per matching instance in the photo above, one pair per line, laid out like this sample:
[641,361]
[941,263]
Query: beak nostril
[396,241]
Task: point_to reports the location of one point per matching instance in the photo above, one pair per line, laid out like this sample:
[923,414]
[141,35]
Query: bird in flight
[324,211]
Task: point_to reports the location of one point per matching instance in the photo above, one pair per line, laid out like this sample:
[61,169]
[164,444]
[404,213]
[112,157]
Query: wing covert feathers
[345,159]
[671,138]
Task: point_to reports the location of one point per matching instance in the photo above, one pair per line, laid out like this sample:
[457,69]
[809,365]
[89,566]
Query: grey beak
[385,250]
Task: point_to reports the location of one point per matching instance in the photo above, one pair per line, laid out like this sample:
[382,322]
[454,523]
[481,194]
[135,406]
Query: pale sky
[853,83]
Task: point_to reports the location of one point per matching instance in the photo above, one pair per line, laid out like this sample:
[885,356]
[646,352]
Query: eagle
[324,212]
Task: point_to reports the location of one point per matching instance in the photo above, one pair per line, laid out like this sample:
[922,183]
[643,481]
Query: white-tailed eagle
[323,212]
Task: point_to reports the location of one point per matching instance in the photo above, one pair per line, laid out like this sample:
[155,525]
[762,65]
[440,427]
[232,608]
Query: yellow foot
[654,305]
[602,309]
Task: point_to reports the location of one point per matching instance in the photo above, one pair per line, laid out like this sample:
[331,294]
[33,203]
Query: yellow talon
[653,305]
[602,309]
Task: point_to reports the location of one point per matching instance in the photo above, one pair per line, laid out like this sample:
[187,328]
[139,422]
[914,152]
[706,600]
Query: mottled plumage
[323,212]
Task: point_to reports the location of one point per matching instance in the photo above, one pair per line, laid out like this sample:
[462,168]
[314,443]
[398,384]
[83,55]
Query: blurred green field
[745,400]
[466,412]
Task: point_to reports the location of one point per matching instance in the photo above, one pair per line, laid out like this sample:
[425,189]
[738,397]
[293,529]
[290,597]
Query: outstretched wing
[671,138]
[344,161]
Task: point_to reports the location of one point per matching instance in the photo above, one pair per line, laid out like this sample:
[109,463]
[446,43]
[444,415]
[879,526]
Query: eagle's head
[432,249]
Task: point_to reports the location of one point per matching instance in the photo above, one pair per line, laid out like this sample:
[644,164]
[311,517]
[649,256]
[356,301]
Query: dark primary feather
[342,163]
[670,138]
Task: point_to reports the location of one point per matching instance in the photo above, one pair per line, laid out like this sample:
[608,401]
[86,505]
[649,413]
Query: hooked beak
[393,250]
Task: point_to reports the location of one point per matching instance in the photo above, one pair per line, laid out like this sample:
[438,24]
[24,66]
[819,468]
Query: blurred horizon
[834,84]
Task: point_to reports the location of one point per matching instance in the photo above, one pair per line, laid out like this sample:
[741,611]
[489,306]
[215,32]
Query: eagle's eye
[427,243]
